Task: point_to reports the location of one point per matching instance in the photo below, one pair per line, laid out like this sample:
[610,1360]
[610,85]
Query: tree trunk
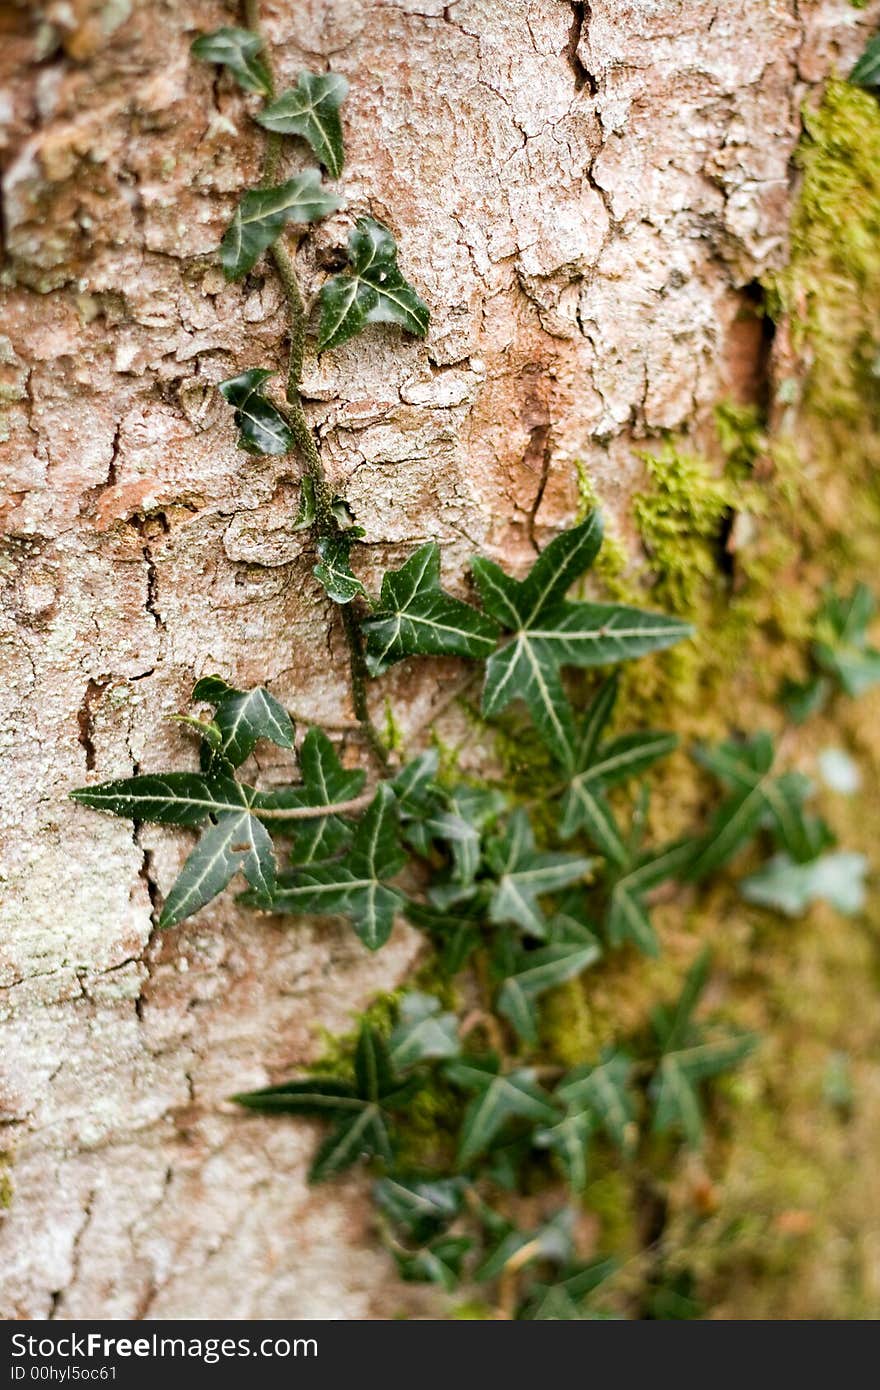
[586,196]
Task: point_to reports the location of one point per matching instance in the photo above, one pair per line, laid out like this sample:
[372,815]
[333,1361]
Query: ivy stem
[302,431]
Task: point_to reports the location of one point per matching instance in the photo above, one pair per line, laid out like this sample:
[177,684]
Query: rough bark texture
[584,194]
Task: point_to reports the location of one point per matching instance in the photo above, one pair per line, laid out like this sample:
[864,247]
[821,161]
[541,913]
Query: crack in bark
[580,21]
[85,717]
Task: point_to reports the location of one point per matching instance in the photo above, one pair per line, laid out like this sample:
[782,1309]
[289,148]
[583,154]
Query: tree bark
[585,194]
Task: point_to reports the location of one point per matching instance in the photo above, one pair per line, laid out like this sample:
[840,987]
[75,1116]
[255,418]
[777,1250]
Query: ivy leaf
[785,886]
[311,109]
[674,1085]
[263,213]
[501,1097]
[841,646]
[563,1301]
[627,916]
[334,570]
[423,1032]
[548,632]
[422,1207]
[243,717]
[535,973]
[551,1242]
[168,798]
[373,290]
[357,887]
[604,1090]
[361,1112]
[866,72]
[438,1263]
[262,429]
[416,616]
[307,510]
[569,1139]
[673,1027]
[237,843]
[325,783]
[596,768]
[238,50]
[522,875]
[756,797]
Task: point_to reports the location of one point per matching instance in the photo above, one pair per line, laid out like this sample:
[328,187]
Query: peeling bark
[586,195]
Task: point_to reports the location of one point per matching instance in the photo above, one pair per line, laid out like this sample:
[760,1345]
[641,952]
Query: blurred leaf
[238,50]
[784,886]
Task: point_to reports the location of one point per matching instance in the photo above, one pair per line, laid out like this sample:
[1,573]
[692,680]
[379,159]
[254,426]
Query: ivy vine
[511,910]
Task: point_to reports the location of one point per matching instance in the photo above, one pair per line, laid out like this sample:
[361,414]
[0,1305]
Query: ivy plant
[516,898]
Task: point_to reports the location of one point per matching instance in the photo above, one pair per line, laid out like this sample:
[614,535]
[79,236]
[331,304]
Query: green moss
[680,520]
[337,1049]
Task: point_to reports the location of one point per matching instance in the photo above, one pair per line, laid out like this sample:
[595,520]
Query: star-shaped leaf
[416,616]
[372,291]
[263,213]
[627,918]
[674,1087]
[522,875]
[548,632]
[262,429]
[358,886]
[243,717]
[501,1098]
[236,841]
[537,971]
[757,798]
[239,51]
[438,1263]
[841,645]
[564,1300]
[597,766]
[424,1032]
[334,570]
[551,1242]
[311,109]
[605,1091]
[361,1111]
[687,1057]
[569,1139]
[421,1207]
[325,783]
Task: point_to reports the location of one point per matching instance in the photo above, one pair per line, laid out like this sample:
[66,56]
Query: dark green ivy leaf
[551,1242]
[262,429]
[421,1207]
[501,1097]
[548,632]
[757,798]
[415,616]
[325,783]
[597,767]
[569,1139]
[334,570]
[238,50]
[243,717]
[604,1090]
[357,887]
[263,213]
[237,843]
[537,971]
[373,290]
[841,645]
[438,1263]
[674,1087]
[311,109]
[522,874]
[866,72]
[361,1112]
[627,917]
[563,1301]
